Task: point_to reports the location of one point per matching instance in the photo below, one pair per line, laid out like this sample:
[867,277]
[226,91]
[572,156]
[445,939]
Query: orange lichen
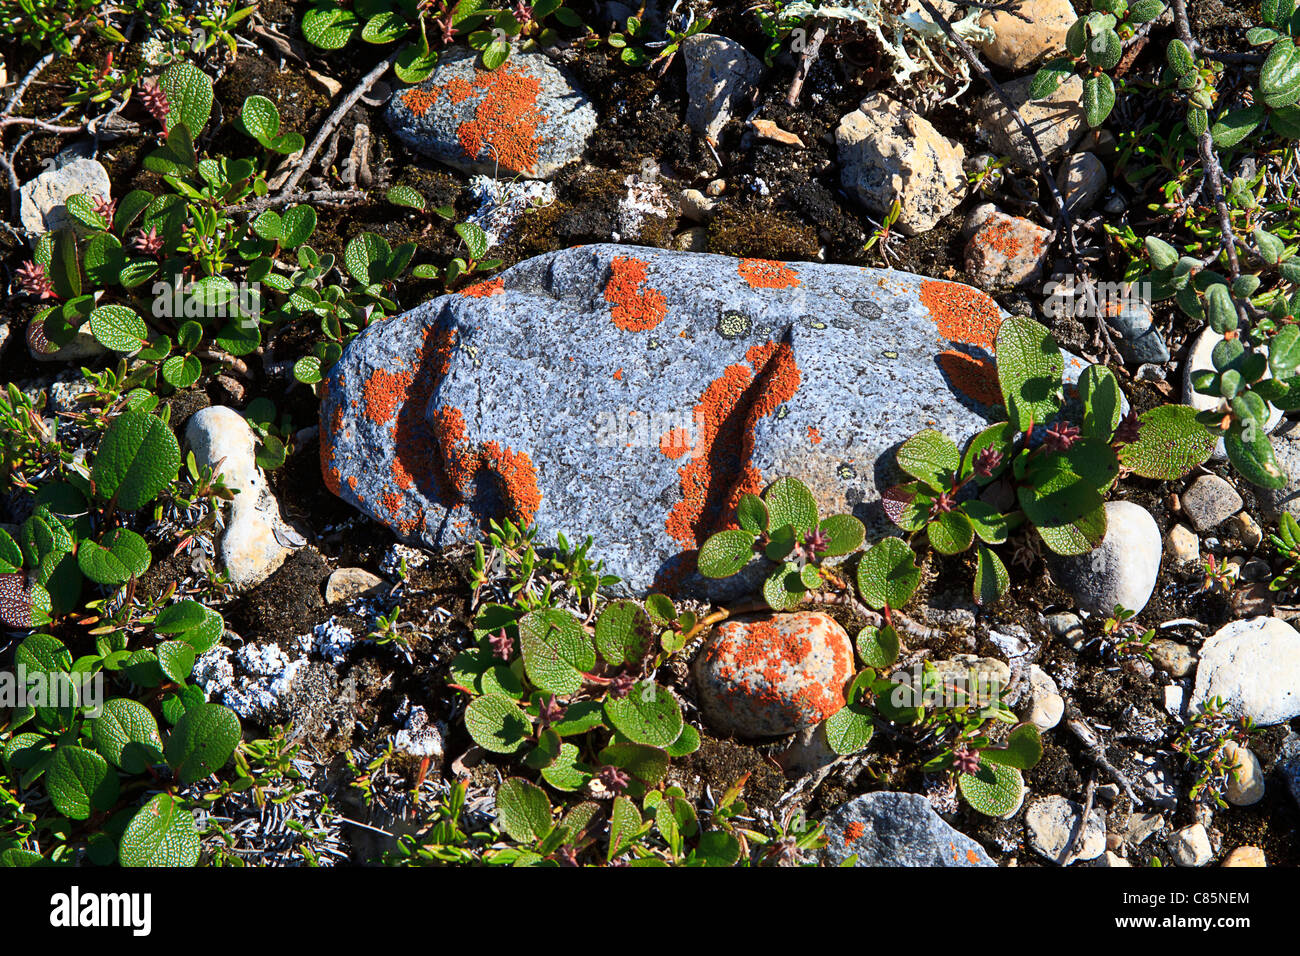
[505,120]
[814,435]
[974,377]
[485,289]
[714,478]
[384,393]
[1000,236]
[634,308]
[420,101]
[461,465]
[768,274]
[962,314]
[853,832]
[517,479]
[618,376]
[675,442]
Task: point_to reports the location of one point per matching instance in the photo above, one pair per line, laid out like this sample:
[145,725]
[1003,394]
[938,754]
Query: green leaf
[1279,78]
[566,772]
[385,27]
[1180,58]
[180,617]
[997,799]
[298,223]
[329,28]
[176,658]
[624,826]
[1050,77]
[366,257]
[556,650]
[79,781]
[1022,750]
[1236,125]
[784,590]
[260,118]
[649,714]
[406,196]
[624,633]
[878,646]
[1030,367]
[1098,98]
[162,833]
[931,457]
[496,723]
[751,514]
[189,94]
[991,578]
[990,524]
[137,458]
[127,735]
[1171,442]
[122,555]
[1105,50]
[1161,253]
[118,327]
[887,574]
[846,534]
[648,764]
[1284,352]
[686,744]
[950,532]
[789,502]
[725,553]
[1254,459]
[523,810]
[1102,402]
[202,741]
[82,208]
[1066,510]
[498,52]
[849,729]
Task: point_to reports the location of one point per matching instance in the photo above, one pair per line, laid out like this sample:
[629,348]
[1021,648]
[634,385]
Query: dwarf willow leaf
[648,714]
[122,555]
[624,826]
[189,96]
[260,118]
[79,781]
[496,723]
[1170,443]
[751,514]
[176,658]
[137,458]
[845,532]
[950,532]
[931,457]
[1023,749]
[725,553]
[687,743]
[648,764]
[202,741]
[991,578]
[878,646]
[887,574]
[127,735]
[789,502]
[162,833]
[849,729]
[623,632]
[997,799]
[566,772]
[1030,366]
[556,650]
[118,327]
[523,810]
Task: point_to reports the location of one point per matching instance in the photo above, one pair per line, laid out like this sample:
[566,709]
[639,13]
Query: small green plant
[1286,542]
[1202,741]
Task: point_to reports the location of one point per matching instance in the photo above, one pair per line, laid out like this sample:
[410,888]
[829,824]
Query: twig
[315,196]
[806,61]
[360,90]
[41,125]
[1076,839]
[1209,158]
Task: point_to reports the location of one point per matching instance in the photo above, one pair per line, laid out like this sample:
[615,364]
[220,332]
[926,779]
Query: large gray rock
[1122,569]
[720,75]
[897,829]
[522,119]
[632,394]
[1254,666]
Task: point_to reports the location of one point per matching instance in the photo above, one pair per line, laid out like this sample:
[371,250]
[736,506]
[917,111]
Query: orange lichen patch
[459,463]
[458,90]
[973,377]
[618,376]
[675,442]
[329,433]
[391,502]
[352,481]
[485,289]
[853,832]
[384,393]
[962,314]
[505,120]
[1000,236]
[768,274]
[814,435]
[714,478]
[420,101]
[517,478]
[972,857]
[634,309]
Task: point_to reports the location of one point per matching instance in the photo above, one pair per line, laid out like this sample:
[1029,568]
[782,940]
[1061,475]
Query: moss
[736,231]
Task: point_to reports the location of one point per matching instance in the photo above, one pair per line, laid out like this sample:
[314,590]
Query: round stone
[762,676]
[1246,856]
[1253,665]
[1122,569]
[1246,786]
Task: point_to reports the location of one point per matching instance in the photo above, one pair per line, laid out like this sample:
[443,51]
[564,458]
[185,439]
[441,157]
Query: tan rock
[889,152]
[1005,251]
[1246,856]
[1182,545]
[348,583]
[1057,121]
[1021,42]
[767,130]
[1172,658]
[1246,786]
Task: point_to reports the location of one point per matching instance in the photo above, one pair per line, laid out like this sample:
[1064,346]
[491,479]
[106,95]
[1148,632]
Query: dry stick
[360,90]
[1076,839]
[1209,158]
[810,54]
[318,196]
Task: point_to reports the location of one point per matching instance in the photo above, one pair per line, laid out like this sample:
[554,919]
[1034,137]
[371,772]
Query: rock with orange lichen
[634,394]
[774,674]
[524,118]
[886,828]
[1004,251]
